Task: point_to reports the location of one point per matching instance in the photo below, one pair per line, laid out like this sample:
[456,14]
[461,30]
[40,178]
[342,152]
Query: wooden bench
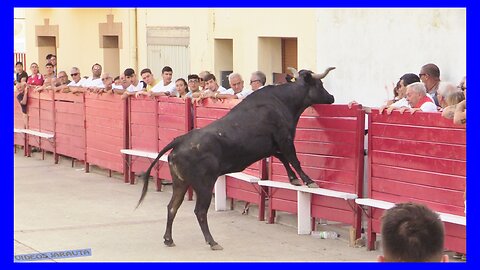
[445,217]
[304,200]
[418,158]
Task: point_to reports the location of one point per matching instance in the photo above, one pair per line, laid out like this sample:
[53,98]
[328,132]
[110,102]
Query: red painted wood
[427,178]
[439,165]
[419,133]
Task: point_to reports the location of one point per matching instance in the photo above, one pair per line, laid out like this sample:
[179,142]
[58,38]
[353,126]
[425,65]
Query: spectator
[460,116]
[430,76]
[116,81]
[412,233]
[237,91]
[166,86]
[444,90]
[77,79]
[95,80]
[20,74]
[257,80]
[52,59]
[181,88]
[211,88]
[134,85]
[107,83]
[22,97]
[193,84]
[149,80]
[62,82]
[462,85]
[451,101]
[418,100]
[202,80]
[401,92]
[50,71]
[35,79]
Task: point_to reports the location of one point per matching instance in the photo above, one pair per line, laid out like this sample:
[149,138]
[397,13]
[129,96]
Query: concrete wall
[372,48]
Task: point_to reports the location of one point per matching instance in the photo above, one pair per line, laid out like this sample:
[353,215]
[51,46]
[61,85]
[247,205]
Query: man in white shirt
[95,80]
[237,91]
[166,87]
[135,84]
[418,99]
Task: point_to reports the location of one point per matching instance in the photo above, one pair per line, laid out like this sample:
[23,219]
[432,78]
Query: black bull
[260,126]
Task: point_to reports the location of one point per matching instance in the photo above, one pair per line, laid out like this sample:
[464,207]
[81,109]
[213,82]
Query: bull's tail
[146,174]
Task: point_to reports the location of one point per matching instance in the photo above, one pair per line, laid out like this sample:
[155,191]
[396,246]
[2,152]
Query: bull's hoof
[312,185]
[216,247]
[169,243]
[295,182]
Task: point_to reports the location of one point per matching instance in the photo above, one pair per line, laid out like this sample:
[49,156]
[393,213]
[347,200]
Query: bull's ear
[307,78]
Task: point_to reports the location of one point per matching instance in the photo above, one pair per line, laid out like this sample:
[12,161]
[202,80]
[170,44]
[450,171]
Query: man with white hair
[237,91]
[418,100]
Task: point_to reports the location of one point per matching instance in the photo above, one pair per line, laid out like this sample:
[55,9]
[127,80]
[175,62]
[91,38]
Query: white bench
[221,188]
[145,154]
[304,199]
[34,133]
[455,219]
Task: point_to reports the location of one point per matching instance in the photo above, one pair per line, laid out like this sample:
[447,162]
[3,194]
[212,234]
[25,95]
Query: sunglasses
[252,81]
[74,74]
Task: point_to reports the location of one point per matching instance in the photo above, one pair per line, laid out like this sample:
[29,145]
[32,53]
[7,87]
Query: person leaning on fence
[202,76]
[35,79]
[237,90]
[52,59]
[62,82]
[22,97]
[418,99]
[20,74]
[402,84]
[211,88]
[193,84]
[412,233]
[94,80]
[134,85]
[166,87]
[149,80]
[444,90]
[181,88]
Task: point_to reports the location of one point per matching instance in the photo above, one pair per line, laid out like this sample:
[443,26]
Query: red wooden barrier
[143,134]
[329,144]
[419,158]
[174,119]
[105,117]
[211,110]
[47,120]
[70,125]
[18,123]
[33,110]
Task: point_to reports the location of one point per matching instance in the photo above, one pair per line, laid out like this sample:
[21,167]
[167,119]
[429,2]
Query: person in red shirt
[36,79]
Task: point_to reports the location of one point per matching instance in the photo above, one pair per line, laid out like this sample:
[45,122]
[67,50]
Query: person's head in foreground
[412,233]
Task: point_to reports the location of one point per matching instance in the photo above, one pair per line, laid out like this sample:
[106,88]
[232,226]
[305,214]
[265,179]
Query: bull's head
[317,94]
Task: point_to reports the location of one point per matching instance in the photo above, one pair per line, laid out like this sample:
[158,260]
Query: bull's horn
[324,74]
[294,72]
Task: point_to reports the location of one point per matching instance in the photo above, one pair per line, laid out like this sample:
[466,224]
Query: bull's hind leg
[179,190]
[291,174]
[204,198]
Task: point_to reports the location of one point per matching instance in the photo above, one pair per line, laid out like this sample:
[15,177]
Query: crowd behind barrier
[428,150]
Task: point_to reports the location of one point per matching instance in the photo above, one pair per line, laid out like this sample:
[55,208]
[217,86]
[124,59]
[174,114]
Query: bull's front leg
[292,177]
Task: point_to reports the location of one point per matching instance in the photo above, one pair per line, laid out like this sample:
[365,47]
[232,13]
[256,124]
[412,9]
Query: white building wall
[372,48]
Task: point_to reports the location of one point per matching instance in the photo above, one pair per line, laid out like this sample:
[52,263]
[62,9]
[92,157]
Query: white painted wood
[318,191]
[38,133]
[445,217]
[139,153]
[304,212]
[244,177]
[221,194]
